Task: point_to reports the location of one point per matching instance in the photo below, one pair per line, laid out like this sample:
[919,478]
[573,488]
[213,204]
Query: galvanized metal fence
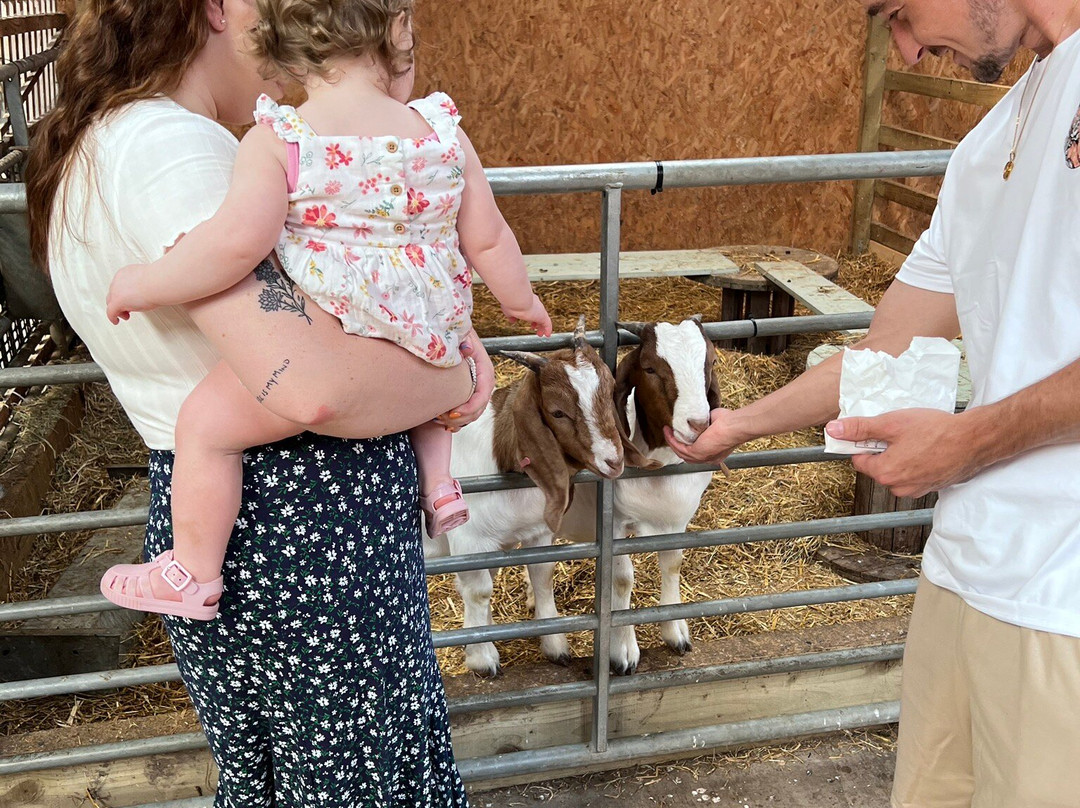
[610,181]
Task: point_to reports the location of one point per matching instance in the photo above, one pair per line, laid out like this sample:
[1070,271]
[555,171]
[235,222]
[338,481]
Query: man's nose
[910,50]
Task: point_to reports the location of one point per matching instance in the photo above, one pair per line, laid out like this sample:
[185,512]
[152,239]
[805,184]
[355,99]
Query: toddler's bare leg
[432,444]
[217,422]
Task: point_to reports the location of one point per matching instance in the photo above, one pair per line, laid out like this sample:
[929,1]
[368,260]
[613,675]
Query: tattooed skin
[272,381]
[279,294]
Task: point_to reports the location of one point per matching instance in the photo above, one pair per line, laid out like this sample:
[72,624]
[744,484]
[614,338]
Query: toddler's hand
[126,294]
[536,315]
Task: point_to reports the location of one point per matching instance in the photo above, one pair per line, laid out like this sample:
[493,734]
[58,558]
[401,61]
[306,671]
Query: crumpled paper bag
[874,382]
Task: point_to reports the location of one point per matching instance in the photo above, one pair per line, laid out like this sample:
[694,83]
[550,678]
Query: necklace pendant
[1008,170]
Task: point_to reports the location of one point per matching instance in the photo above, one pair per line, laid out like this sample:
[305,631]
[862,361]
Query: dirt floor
[853,770]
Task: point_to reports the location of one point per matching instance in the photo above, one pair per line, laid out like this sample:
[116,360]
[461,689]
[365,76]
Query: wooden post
[877,49]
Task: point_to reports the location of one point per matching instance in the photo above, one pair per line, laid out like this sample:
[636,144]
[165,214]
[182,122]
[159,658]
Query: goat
[551,424]
[668,380]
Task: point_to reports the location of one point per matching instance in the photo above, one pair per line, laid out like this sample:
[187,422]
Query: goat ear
[624,374]
[547,466]
[712,380]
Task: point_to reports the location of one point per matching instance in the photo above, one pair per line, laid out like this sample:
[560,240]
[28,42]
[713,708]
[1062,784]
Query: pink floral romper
[371,234]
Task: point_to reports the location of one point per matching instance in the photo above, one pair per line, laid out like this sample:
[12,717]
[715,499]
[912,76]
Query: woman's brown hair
[296,38]
[114,52]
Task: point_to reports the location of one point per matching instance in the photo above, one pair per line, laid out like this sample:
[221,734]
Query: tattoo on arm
[280,293]
[263,394]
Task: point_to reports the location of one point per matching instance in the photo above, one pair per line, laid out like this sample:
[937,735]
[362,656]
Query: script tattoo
[272,381]
[279,294]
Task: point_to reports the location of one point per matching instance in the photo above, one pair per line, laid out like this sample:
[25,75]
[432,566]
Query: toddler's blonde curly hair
[296,38]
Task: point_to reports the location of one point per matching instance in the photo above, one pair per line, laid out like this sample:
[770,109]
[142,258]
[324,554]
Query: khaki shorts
[989,711]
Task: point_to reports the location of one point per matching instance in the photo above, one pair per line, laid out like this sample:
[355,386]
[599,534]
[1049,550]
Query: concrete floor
[843,771]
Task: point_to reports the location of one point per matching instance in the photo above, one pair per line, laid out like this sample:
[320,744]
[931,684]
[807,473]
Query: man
[991,691]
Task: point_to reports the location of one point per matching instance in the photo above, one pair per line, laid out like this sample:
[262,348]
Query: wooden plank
[970,92]
[877,50]
[36,22]
[644,264]
[818,294]
[897,138]
[887,254]
[891,238]
[907,196]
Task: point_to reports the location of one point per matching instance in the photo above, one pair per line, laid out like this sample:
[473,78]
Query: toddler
[376,209]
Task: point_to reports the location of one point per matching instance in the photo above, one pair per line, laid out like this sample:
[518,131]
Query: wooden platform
[711,262]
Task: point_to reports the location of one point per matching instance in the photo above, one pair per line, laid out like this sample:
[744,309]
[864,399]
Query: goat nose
[697,426]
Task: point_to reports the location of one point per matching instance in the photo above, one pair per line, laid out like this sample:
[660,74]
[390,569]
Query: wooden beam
[897,138]
[877,49]
[901,194]
[37,22]
[887,254]
[891,238]
[970,92]
[819,295]
[643,264]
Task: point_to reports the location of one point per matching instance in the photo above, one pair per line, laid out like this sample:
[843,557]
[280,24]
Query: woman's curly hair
[296,38]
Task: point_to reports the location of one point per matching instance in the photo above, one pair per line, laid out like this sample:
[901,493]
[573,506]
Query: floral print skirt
[317,683]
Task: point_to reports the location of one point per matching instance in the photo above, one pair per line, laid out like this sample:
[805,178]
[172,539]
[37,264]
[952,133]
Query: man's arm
[813,398]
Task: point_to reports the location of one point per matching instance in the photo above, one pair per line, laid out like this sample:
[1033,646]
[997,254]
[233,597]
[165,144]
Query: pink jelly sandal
[128,585]
[450,514]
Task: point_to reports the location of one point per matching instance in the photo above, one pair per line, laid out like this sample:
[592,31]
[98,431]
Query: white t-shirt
[1008,541]
[152,171]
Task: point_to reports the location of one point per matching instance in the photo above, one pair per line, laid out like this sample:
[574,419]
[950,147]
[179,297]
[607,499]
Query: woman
[317,684]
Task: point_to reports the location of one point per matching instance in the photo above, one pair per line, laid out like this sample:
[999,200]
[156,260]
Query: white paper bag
[873,382]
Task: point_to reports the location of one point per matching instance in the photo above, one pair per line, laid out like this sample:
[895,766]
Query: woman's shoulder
[161,126]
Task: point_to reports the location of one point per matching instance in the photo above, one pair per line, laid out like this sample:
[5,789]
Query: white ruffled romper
[371,234]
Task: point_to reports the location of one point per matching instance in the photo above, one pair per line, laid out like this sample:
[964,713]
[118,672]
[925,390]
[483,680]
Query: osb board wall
[588,81]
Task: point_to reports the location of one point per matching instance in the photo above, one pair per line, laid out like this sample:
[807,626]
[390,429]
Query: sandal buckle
[176,568]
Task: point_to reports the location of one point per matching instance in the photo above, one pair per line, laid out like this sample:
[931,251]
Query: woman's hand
[126,294]
[472,348]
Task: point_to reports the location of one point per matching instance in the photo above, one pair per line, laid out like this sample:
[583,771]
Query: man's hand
[928,449]
[714,444]
[126,294]
[485,385]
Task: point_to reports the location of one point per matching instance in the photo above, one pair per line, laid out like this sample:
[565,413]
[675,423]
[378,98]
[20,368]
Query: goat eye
[558,414]
[651,371]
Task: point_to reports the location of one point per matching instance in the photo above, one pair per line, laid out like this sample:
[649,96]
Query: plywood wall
[555,81]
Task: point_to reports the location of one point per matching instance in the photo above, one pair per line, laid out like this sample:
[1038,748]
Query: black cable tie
[659,178]
[753,322]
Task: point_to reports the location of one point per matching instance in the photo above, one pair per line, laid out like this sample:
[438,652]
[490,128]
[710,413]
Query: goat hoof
[683,647]
[562,659]
[624,668]
[489,673]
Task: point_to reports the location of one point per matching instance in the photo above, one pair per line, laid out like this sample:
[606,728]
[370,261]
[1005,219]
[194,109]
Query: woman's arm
[492,249]
[222,250]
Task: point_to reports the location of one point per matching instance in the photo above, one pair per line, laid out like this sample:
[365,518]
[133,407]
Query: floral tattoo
[279,294]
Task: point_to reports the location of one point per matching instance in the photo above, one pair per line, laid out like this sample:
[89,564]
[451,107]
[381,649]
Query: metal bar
[102,753]
[190,802]
[76,373]
[12,160]
[513,631]
[87,682]
[761,603]
[16,114]
[718,172]
[678,173]
[576,691]
[665,744]
[610,245]
[80,520]
[29,64]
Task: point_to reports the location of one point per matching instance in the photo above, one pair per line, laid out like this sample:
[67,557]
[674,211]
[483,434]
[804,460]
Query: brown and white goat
[668,380]
[551,424]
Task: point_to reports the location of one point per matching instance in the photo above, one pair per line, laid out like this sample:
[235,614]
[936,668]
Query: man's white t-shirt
[1008,541]
[148,173]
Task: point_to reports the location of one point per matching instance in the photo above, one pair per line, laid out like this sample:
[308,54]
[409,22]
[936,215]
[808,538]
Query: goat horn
[634,328]
[579,334]
[697,318]
[532,361]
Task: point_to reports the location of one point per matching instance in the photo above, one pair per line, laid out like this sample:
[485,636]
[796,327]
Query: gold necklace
[1021,118]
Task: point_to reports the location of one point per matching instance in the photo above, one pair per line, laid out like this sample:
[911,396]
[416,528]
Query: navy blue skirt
[317,683]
